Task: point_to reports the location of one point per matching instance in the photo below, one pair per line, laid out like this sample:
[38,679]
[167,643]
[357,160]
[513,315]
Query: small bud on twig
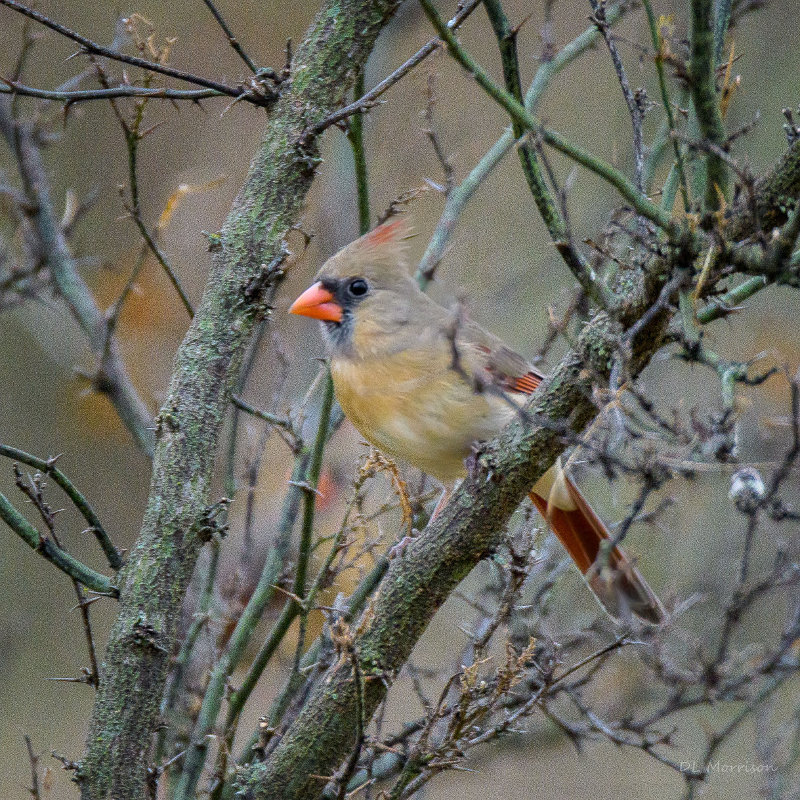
[747,490]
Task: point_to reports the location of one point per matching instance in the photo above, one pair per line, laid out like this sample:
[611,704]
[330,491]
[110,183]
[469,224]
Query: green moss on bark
[775,196]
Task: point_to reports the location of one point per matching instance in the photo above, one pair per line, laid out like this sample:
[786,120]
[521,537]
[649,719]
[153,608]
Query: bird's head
[364,293]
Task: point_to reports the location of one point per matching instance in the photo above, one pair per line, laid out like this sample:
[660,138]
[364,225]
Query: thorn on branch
[263,88]
[269,274]
[87,676]
[67,763]
[791,128]
[214,521]
[146,635]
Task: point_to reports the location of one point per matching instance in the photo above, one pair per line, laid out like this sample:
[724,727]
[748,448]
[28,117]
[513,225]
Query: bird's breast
[415,407]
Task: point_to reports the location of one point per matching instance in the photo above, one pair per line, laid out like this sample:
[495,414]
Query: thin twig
[554,220]
[34,762]
[355,134]
[113,92]
[309,508]
[266,416]
[433,137]
[728,302]
[97,49]
[658,46]
[33,489]
[232,40]
[48,467]
[517,112]
[633,102]
[367,101]
[47,548]
[200,619]
[111,377]
[461,195]
[165,265]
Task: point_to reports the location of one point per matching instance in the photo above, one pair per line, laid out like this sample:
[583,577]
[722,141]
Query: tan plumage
[424,387]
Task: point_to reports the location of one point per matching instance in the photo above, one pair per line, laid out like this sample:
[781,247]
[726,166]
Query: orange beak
[317,302]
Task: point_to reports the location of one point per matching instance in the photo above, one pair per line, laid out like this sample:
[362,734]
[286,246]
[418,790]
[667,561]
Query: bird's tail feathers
[613,578]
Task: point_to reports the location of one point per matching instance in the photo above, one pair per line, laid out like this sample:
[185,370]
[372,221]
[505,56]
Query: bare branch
[88,46]
[111,377]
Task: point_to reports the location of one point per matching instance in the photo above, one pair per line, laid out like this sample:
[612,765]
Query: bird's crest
[385,244]
[394,230]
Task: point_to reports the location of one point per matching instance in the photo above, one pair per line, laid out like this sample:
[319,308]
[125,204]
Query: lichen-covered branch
[467,529]
[775,194]
[245,269]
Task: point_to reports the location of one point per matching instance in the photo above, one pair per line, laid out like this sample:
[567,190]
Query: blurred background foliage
[500,259]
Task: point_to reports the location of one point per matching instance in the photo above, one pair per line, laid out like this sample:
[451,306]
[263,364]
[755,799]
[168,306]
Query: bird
[425,391]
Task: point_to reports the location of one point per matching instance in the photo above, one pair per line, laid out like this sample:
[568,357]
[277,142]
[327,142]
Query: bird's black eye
[357,287]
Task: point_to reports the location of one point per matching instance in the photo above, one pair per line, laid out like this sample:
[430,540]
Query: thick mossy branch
[469,528]
[244,272]
[774,197]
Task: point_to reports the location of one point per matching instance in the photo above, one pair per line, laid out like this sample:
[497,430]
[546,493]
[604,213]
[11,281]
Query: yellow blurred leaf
[173,201]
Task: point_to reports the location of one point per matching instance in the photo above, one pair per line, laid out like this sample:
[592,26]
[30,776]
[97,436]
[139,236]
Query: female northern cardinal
[424,391]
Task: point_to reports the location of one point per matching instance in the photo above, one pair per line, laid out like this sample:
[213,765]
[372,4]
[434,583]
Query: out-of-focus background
[500,259]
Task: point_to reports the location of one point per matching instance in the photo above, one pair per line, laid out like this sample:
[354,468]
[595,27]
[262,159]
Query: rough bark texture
[775,196]
[153,583]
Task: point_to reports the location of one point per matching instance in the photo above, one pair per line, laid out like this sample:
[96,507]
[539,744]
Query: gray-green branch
[704,96]
[469,528]
[52,552]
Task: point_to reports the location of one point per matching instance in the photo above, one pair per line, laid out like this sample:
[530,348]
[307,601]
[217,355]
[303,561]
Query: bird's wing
[493,363]
[616,583]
